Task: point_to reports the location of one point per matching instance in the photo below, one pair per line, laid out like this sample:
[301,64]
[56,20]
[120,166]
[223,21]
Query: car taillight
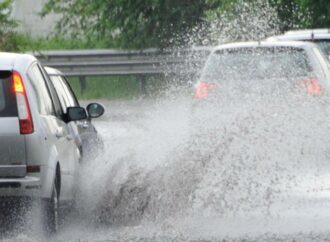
[24,113]
[202,89]
[313,86]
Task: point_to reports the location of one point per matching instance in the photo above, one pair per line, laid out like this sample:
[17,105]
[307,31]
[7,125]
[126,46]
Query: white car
[297,63]
[39,157]
[319,36]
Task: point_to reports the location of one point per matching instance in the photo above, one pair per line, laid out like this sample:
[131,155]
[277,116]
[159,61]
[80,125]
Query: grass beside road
[117,87]
[128,87]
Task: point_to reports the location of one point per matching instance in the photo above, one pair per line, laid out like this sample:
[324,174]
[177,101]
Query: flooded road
[254,173]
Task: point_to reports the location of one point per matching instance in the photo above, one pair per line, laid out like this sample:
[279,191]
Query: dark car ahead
[85,134]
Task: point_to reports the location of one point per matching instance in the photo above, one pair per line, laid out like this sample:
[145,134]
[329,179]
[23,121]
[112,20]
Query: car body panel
[12,149]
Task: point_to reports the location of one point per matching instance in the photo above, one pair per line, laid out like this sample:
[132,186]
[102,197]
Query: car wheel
[51,210]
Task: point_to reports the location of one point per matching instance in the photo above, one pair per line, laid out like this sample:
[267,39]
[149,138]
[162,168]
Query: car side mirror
[95,110]
[76,113]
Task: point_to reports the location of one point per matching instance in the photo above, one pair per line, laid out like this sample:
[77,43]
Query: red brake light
[24,113]
[313,86]
[202,89]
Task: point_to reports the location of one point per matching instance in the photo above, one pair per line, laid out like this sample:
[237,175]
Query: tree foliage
[303,13]
[7,26]
[130,24]
[291,14]
[320,12]
[162,23]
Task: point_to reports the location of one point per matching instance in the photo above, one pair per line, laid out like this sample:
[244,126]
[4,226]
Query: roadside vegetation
[117,87]
[160,24]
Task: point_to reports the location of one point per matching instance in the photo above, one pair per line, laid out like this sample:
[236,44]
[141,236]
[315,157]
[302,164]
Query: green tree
[296,14]
[128,23]
[7,26]
[291,14]
[319,10]
[163,23]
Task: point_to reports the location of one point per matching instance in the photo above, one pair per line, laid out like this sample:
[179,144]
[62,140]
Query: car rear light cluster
[312,86]
[202,89]
[24,112]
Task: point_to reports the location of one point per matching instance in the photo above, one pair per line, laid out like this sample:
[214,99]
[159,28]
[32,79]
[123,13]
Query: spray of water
[245,159]
[172,169]
[239,160]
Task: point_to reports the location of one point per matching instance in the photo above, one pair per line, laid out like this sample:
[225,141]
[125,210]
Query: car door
[55,129]
[65,103]
[86,131]
[91,141]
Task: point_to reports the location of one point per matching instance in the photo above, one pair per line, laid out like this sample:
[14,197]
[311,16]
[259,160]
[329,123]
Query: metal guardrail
[104,62]
[117,62]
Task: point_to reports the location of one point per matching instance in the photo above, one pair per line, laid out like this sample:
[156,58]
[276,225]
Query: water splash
[239,158]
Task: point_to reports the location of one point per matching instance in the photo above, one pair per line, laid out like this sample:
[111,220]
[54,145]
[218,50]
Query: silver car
[39,157]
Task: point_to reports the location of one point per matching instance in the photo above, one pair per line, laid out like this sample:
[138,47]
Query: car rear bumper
[20,187]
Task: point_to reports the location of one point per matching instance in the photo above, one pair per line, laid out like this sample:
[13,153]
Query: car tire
[51,210]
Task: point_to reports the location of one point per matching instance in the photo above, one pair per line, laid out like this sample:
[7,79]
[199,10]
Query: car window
[53,93]
[256,63]
[8,107]
[44,101]
[68,90]
[65,103]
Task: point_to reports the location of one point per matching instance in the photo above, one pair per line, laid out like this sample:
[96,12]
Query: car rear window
[8,107]
[257,63]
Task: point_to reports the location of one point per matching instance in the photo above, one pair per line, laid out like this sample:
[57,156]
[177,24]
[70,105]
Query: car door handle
[69,137]
[59,133]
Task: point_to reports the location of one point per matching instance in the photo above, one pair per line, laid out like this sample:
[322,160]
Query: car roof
[10,61]
[53,72]
[308,34]
[297,44]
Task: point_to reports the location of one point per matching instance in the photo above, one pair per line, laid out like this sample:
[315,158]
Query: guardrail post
[143,82]
[82,81]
